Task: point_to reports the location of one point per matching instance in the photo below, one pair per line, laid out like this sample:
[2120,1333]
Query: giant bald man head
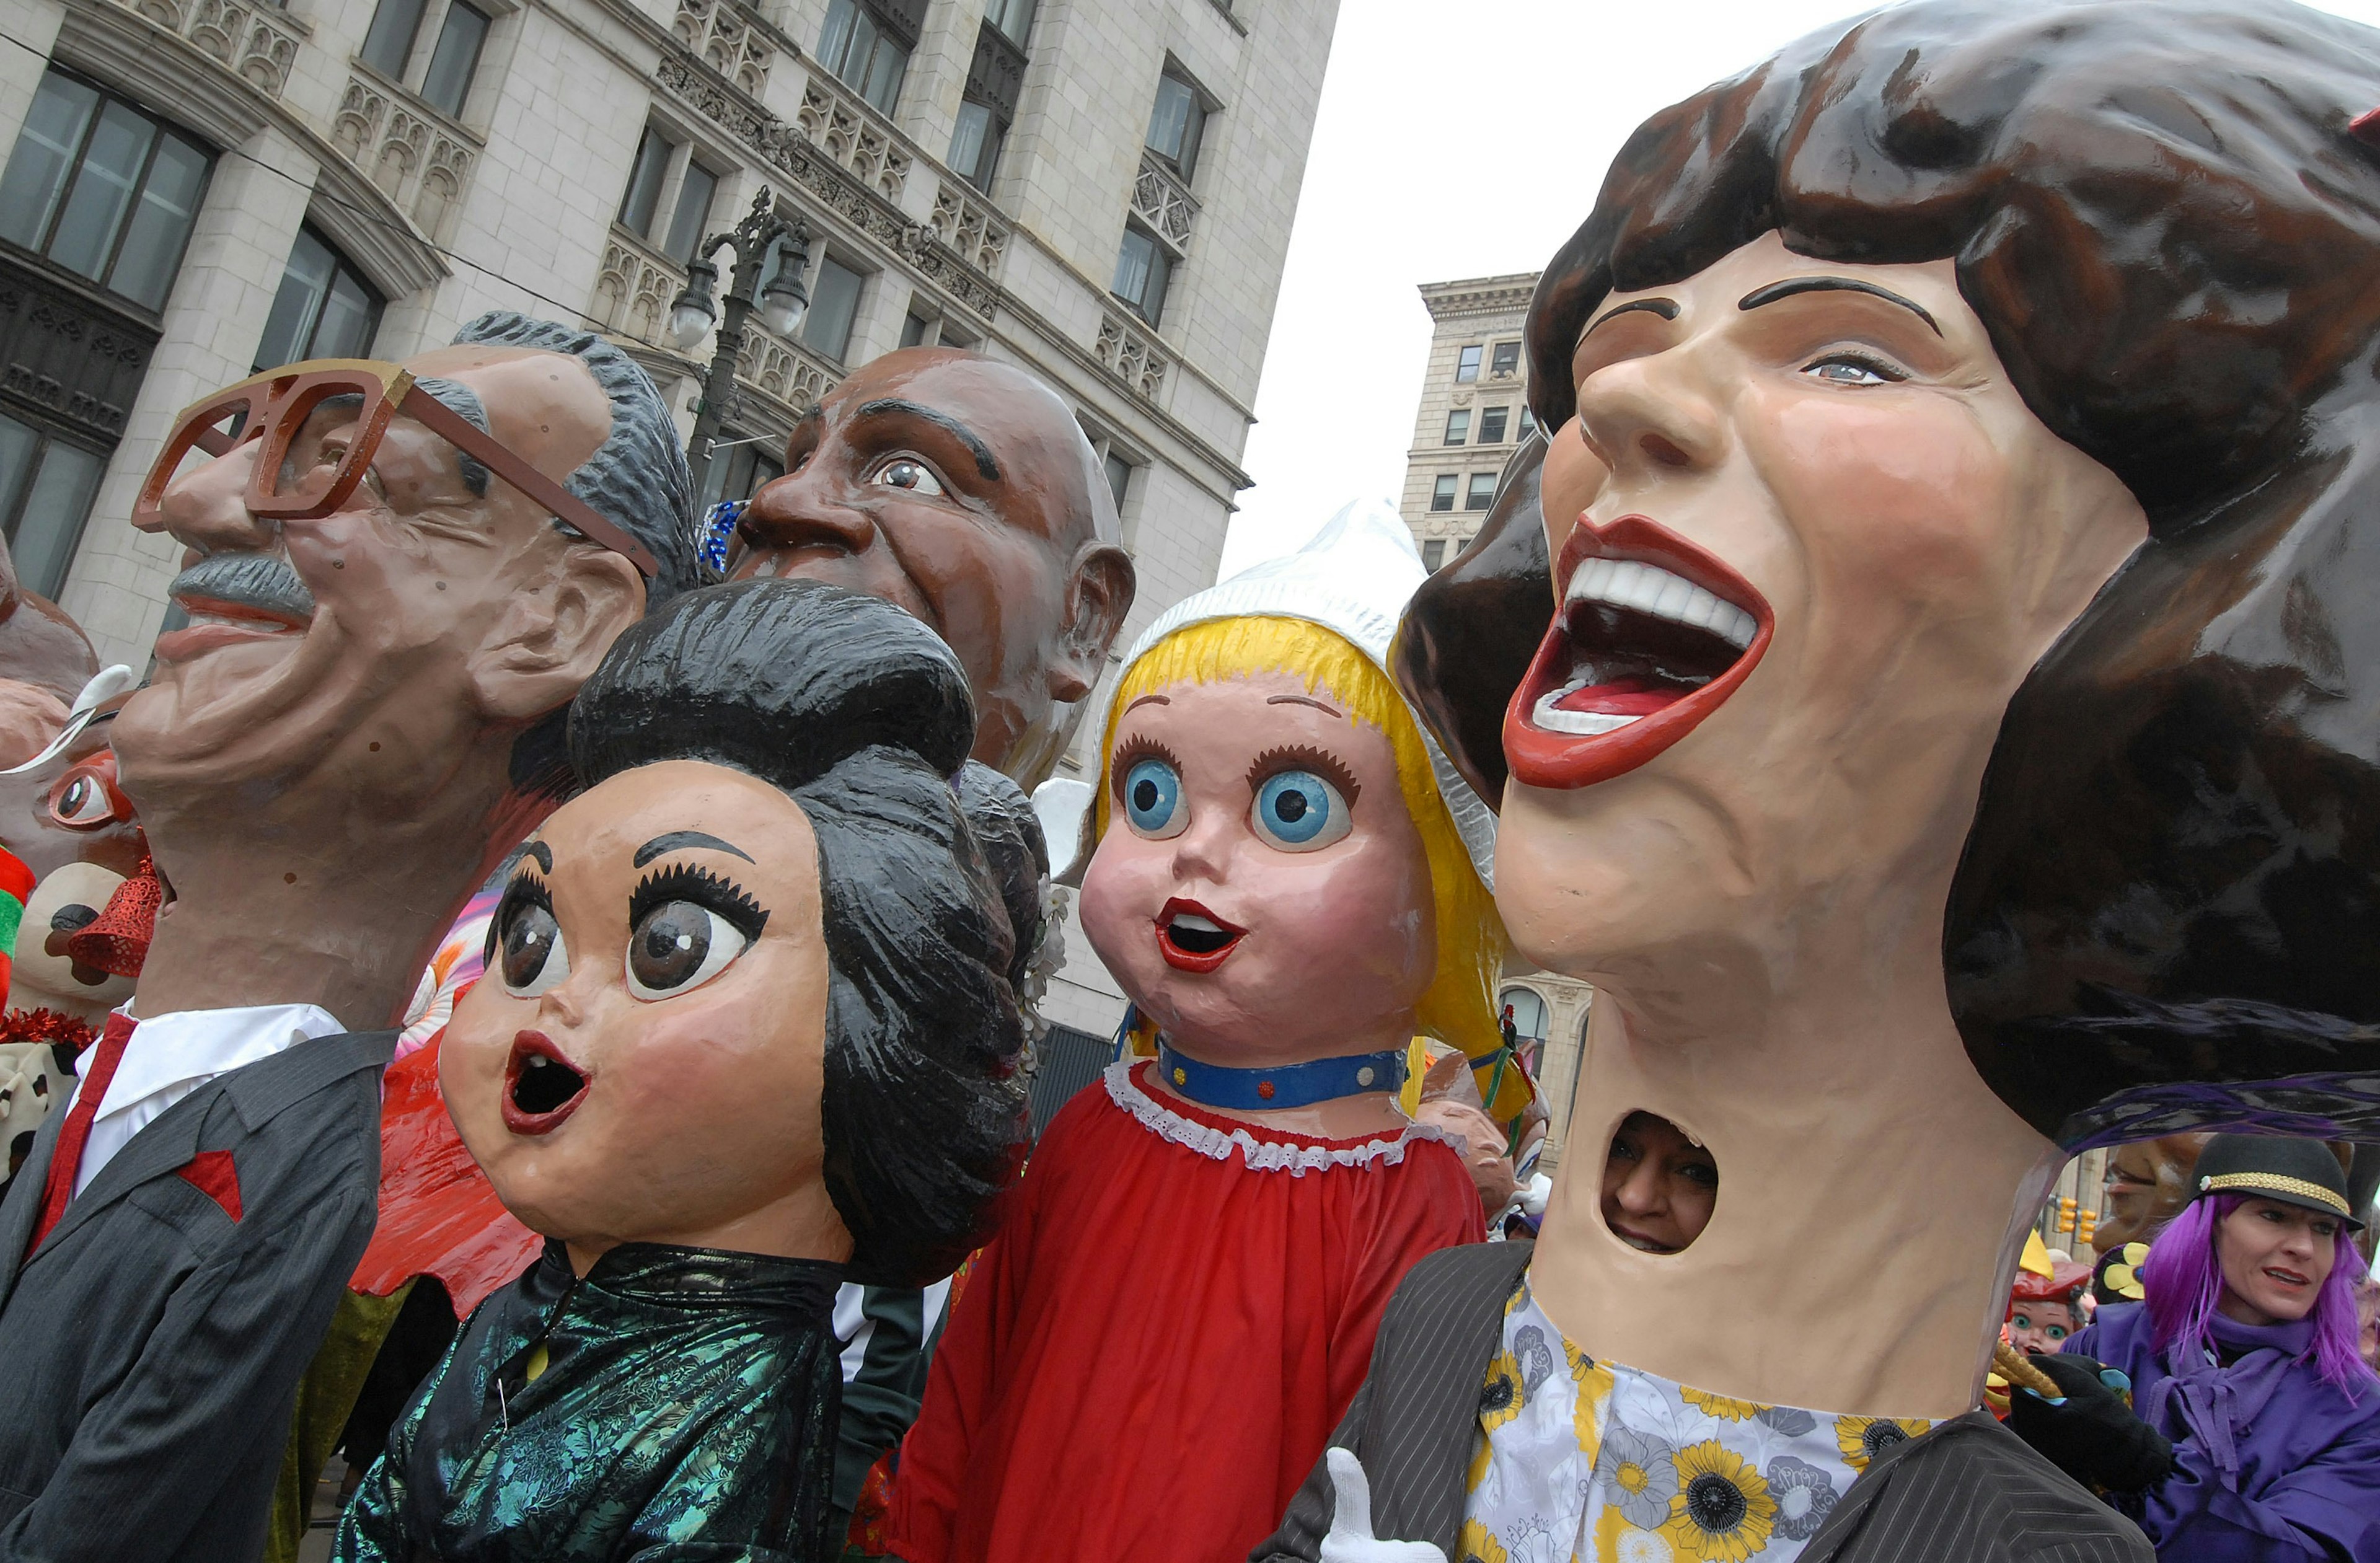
[963,491]
[366,704]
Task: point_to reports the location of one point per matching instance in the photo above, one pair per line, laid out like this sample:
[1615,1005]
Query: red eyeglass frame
[275,407]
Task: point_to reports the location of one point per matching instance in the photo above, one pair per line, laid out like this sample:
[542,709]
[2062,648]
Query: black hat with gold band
[2299,1172]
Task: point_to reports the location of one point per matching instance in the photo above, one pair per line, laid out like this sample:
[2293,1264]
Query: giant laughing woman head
[1956,507]
[755,988]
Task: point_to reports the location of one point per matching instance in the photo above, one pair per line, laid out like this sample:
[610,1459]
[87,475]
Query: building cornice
[1507,295]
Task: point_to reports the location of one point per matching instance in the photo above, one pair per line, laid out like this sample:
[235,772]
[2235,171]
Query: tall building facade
[1100,190]
[1474,410]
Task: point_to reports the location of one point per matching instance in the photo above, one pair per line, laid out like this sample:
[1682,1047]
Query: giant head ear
[553,633]
[1100,586]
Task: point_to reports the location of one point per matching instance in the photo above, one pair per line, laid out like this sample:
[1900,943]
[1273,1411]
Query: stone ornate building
[1474,411]
[1100,189]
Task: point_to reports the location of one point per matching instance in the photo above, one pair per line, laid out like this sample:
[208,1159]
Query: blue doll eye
[1152,800]
[1298,811]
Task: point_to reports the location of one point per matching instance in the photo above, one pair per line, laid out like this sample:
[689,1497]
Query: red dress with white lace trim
[1150,1356]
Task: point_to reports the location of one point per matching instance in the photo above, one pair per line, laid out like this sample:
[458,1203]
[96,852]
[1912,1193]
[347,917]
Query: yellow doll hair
[1459,1008]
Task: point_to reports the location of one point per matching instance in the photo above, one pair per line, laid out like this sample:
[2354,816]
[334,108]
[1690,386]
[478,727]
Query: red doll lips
[541,1087]
[1654,634]
[1193,939]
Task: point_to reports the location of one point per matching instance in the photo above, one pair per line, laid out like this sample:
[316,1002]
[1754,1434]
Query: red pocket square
[211,1172]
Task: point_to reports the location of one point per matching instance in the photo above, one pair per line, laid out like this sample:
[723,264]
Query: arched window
[1528,1011]
[325,308]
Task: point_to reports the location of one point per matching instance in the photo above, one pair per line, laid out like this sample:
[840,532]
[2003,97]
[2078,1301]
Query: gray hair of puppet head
[637,476]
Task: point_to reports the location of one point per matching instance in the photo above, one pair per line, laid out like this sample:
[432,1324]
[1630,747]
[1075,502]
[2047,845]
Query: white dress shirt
[173,1055]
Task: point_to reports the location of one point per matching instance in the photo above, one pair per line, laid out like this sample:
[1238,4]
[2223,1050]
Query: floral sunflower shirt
[1581,1462]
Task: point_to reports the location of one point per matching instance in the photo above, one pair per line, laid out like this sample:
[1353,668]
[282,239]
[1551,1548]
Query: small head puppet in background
[2045,1309]
[749,1019]
[1213,896]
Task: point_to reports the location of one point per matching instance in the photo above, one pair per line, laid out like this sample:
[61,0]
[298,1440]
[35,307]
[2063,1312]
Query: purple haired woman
[2243,1360]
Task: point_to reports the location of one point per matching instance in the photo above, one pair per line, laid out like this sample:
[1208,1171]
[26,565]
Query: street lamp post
[782,302]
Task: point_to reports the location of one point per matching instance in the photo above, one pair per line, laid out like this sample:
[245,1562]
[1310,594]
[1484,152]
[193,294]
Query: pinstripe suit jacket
[1968,1492]
[161,1327]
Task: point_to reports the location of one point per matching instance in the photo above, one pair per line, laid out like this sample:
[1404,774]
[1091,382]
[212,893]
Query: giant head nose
[205,507]
[800,514]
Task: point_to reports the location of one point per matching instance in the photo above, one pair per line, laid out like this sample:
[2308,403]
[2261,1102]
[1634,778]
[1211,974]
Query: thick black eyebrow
[1665,307]
[986,464]
[1792,286]
[672,840]
[540,854]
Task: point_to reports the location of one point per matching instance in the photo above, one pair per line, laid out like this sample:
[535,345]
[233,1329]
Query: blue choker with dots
[1288,1085]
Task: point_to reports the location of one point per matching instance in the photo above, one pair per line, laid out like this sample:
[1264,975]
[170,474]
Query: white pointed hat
[1353,579]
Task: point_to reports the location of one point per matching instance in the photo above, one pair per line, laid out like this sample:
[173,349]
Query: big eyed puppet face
[1807,542]
[644,1060]
[1260,891]
[2274,1258]
[438,595]
[2036,1326]
[962,491]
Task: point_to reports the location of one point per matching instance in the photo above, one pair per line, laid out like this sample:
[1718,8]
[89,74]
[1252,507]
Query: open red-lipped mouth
[1653,634]
[214,623]
[1193,939]
[541,1087]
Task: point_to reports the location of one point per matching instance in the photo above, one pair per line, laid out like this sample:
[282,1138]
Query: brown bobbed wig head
[2168,914]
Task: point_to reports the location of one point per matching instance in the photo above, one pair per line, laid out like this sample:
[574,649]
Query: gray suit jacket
[160,1336]
[1967,1492]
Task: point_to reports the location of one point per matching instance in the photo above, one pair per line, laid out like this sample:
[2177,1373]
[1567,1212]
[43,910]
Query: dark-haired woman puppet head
[720,977]
[1957,735]
[749,1014]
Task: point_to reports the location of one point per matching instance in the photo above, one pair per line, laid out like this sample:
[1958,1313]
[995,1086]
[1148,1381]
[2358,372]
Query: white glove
[1539,1190]
[1351,1539]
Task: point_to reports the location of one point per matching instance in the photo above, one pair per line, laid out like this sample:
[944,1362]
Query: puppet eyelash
[1303,757]
[524,890]
[688,881]
[1131,752]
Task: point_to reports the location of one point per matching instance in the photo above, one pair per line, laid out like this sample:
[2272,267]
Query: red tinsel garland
[45,1026]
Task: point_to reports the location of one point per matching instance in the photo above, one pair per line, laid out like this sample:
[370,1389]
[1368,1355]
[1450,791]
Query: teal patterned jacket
[684,1413]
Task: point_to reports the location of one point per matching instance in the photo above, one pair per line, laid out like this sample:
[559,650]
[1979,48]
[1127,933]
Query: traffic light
[2086,1224]
[2066,1213]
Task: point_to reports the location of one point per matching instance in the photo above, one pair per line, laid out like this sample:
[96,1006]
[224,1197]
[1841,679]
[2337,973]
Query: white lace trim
[1262,1156]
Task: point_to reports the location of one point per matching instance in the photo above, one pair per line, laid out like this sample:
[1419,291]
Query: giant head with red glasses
[395,579]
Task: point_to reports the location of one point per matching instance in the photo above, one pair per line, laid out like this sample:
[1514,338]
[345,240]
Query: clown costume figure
[1287,883]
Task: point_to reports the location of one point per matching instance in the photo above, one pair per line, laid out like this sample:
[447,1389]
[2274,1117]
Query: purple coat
[2271,1464]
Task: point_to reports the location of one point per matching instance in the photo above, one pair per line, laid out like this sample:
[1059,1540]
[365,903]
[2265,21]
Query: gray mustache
[249,580]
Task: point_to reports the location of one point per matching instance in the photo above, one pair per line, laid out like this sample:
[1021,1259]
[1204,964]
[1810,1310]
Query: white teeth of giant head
[1194,923]
[1647,588]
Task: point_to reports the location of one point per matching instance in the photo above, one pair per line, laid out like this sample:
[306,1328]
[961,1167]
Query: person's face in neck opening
[645,1058]
[964,492]
[1260,892]
[358,657]
[2274,1258]
[1808,541]
[1658,1186]
[2041,1327]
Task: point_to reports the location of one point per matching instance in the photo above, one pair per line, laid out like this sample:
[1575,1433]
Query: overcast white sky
[1457,141]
